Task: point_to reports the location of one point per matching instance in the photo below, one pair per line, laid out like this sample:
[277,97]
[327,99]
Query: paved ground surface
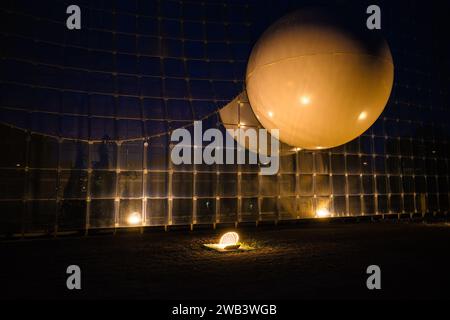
[304,262]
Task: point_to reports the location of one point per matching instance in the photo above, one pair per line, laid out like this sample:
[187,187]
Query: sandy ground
[326,261]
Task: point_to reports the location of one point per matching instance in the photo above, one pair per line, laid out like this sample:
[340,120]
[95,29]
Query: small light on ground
[323,213]
[134,218]
[228,242]
[229,238]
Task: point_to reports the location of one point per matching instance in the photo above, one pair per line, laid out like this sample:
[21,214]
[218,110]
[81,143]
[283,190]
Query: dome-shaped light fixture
[228,242]
[229,239]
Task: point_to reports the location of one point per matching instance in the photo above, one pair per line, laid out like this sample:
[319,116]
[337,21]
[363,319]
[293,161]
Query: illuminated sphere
[319,77]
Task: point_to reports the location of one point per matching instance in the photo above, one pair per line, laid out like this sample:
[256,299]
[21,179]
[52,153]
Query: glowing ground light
[323,213]
[229,239]
[134,218]
[229,242]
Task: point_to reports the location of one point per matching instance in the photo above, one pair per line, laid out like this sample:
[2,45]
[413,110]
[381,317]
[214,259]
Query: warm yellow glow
[229,239]
[134,218]
[363,116]
[318,79]
[323,213]
[305,100]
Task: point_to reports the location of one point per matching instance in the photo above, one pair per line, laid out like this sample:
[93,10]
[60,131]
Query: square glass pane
[182,211]
[249,184]
[206,210]
[306,184]
[322,186]
[205,184]
[228,210]
[130,184]
[157,212]
[103,184]
[182,184]
[72,215]
[339,185]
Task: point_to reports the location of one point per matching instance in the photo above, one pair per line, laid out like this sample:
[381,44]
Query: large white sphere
[317,80]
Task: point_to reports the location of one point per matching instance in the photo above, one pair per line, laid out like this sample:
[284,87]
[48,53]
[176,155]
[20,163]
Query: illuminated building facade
[86,116]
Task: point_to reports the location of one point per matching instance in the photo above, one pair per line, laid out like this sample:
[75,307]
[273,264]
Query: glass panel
[366,164]
[131,155]
[72,215]
[128,208]
[323,185]
[157,183]
[322,163]
[368,184]
[103,184]
[305,205]
[396,204]
[74,155]
[369,204]
[249,209]
[409,203]
[11,184]
[288,163]
[182,211]
[157,213]
[338,163]
[206,210]
[306,184]
[102,214]
[16,146]
[353,164]
[43,152]
[269,185]
[305,162]
[393,165]
[182,184]
[40,216]
[340,206]
[130,184]
[42,184]
[380,165]
[157,157]
[249,184]
[394,184]
[228,210]
[287,184]
[73,184]
[228,184]
[269,208]
[205,184]
[339,185]
[383,204]
[104,155]
[288,208]
[11,217]
[354,184]
[354,205]
[381,182]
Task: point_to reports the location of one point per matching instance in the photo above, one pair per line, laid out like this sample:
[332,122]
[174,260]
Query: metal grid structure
[87,116]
